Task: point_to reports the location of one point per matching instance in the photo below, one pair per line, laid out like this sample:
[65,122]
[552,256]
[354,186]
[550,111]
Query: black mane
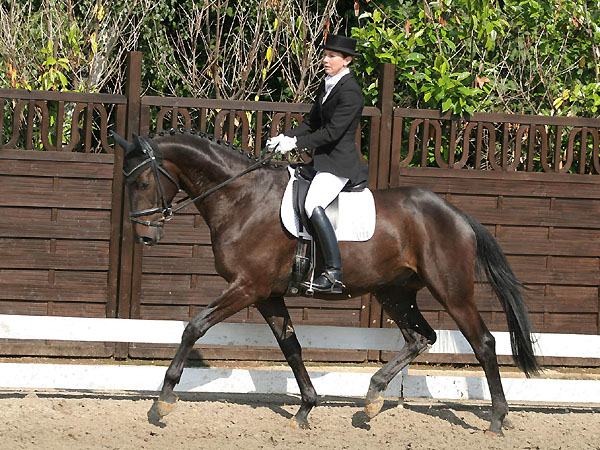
[243,156]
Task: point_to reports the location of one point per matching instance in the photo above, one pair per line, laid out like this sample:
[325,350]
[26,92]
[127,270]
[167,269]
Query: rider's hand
[286,144]
[273,142]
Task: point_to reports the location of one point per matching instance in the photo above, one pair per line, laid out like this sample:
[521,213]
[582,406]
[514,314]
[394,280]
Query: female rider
[330,129]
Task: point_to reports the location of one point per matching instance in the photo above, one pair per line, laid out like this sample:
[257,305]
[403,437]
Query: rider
[330,129]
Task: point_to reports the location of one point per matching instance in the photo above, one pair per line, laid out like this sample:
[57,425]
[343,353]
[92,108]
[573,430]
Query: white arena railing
[328,380]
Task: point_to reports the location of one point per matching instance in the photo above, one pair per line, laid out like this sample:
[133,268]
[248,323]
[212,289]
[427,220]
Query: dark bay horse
[420,241]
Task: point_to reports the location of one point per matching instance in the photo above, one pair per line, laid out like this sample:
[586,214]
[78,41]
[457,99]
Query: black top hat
[341,44]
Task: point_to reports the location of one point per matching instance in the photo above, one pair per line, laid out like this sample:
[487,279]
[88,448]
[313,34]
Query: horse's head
[151,188]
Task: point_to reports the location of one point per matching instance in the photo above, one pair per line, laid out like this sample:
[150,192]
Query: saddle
[306,252]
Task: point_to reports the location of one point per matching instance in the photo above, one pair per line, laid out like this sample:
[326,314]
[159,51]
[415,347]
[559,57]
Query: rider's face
[334,62]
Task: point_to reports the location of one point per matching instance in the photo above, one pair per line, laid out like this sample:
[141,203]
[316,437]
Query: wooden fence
[66,244]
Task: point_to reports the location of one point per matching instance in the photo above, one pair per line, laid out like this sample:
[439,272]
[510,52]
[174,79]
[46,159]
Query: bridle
[166,209]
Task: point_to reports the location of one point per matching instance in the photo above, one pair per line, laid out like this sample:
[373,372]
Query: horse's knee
[192,332]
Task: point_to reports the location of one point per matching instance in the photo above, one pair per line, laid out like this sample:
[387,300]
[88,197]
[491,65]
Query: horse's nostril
[146,240]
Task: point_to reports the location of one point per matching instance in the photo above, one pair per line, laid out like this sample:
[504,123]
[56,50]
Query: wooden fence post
[382,167]
[129,253]
[386,105]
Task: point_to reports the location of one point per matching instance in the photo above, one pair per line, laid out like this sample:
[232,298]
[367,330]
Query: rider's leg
[323,190]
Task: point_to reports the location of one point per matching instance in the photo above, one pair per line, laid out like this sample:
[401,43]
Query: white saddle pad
[356,221]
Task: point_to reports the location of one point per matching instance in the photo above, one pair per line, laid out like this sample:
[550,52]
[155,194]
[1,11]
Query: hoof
[161,408]
[493,434]
[373,407]
[299,424]
[507,424]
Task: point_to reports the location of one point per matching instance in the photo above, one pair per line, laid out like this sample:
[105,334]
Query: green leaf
[63,79]
[441,64]
[447,105]
[415,57]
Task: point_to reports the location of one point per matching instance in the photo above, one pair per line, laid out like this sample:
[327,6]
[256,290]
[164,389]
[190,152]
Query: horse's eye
[144,185]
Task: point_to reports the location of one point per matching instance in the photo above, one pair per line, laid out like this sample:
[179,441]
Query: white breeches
[323,190]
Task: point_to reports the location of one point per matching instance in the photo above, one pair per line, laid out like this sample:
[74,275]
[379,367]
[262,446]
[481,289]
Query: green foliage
[54,71]
[464,55]
[534,56]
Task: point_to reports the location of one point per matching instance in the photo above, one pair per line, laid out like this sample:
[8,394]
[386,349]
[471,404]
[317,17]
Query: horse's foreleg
[232,300]
[276,314]
[418,336]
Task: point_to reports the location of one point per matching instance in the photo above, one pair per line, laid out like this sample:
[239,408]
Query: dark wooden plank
[64,247]
[543,241]
[61,169]
[528,211]
[557,299]
[489,182]
[56,348]
[82,229]
[64,157]
[200,265]
[339,317]
[81,294]
[238,353]
[38,260]
[170,251]
[71,309]
[24,277]
[28,308]
[93,280]
[41,192]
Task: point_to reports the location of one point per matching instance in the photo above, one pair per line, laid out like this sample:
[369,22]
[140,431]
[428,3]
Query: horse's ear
[136,141]
[127,146]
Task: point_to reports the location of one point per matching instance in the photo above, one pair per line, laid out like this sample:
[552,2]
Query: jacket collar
[336,88]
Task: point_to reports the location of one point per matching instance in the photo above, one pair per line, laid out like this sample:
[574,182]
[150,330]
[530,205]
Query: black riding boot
[331,278]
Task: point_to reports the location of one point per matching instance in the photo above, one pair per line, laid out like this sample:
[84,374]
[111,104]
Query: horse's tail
[490,259]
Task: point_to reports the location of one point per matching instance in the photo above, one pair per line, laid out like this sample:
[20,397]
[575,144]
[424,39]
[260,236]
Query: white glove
[286,144]
[273,142]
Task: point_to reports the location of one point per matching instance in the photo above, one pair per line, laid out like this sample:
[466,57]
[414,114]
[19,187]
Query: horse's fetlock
[432,338]
[377,385]
[310,400]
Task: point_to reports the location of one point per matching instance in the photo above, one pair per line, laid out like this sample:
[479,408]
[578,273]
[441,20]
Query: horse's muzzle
[148,235]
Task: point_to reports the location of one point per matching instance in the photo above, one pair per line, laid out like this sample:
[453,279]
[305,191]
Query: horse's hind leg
[483,343]
[459,301]
[235,297]
[276,314]
[402,308]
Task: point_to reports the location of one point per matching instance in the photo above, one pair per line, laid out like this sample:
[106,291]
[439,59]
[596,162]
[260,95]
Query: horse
[420,241]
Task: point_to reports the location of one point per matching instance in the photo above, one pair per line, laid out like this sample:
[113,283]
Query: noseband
[165,207]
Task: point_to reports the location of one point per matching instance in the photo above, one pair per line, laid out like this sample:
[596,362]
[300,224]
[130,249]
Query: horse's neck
[200,172]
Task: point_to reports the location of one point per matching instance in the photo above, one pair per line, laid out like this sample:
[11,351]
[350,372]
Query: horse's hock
[67,248]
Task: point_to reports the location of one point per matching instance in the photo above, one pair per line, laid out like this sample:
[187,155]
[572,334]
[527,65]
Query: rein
[166,210]
[189,201]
